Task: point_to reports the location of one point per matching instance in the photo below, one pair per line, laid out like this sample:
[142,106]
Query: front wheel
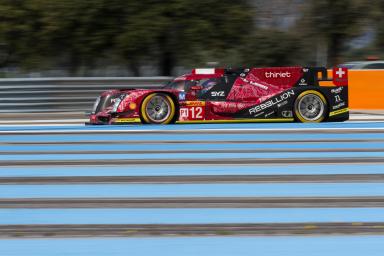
[310,106]
[158,108]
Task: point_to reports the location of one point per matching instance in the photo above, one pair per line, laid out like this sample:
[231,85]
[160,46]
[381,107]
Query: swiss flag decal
[340,76]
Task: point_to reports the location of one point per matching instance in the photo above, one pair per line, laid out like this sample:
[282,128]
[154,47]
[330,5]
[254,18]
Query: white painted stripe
[43,121]
[366,117]
[354,118]
[40,125]
[282,130]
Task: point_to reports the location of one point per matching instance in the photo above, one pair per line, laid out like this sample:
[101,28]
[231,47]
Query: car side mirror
[197,87]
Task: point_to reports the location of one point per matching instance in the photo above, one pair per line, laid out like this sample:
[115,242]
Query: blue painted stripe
[191,146]
[185,137]
[45,171]
[188,216]
[190,156]
[192,246]
[193,190]
[205,126]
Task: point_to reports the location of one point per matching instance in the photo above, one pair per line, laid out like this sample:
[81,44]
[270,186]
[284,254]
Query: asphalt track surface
[124,230]
[191,180]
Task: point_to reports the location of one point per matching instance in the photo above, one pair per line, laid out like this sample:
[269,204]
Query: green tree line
[72,34]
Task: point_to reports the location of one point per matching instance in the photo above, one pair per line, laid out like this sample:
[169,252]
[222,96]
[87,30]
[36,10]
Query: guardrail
[63,94]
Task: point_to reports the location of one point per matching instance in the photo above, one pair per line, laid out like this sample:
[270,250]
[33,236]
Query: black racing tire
[158,108]
[310,107]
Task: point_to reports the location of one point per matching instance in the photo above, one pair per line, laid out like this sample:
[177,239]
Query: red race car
[212,95]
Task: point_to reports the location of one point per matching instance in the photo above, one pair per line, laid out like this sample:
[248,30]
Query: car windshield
[104,102]
[181,85]
[175,85]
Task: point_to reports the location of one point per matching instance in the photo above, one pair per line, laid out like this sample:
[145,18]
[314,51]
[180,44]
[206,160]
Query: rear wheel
[158,108]
[310,106]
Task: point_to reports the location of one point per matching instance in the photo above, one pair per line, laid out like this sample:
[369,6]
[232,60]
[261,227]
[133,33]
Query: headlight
[95,105]
[117,102]
[116,105]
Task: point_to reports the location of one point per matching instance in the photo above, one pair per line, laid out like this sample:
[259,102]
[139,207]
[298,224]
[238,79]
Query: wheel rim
[311,107]
[158,109]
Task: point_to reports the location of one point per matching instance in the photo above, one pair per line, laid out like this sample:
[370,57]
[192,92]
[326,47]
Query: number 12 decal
[196,112]
[192,113]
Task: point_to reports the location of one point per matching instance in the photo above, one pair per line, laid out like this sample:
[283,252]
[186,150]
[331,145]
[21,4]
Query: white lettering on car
[192,113]
[277,74]
[218,94]
[342,104]
[337,91]
[287,113]
[272,102]
[337,98]
[264,87]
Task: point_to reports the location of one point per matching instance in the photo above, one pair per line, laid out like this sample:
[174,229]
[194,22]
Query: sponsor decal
[340,73]
[282,104]
[272,102]
[255,84]
[182,95]
[303,82]
[287,113]
[269,114]
[277,74]
[218,94]
[340,76]
[259,114]
[337,98]
[340,105]
[338,112]
[127,120]
[337,91]
[195,103]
